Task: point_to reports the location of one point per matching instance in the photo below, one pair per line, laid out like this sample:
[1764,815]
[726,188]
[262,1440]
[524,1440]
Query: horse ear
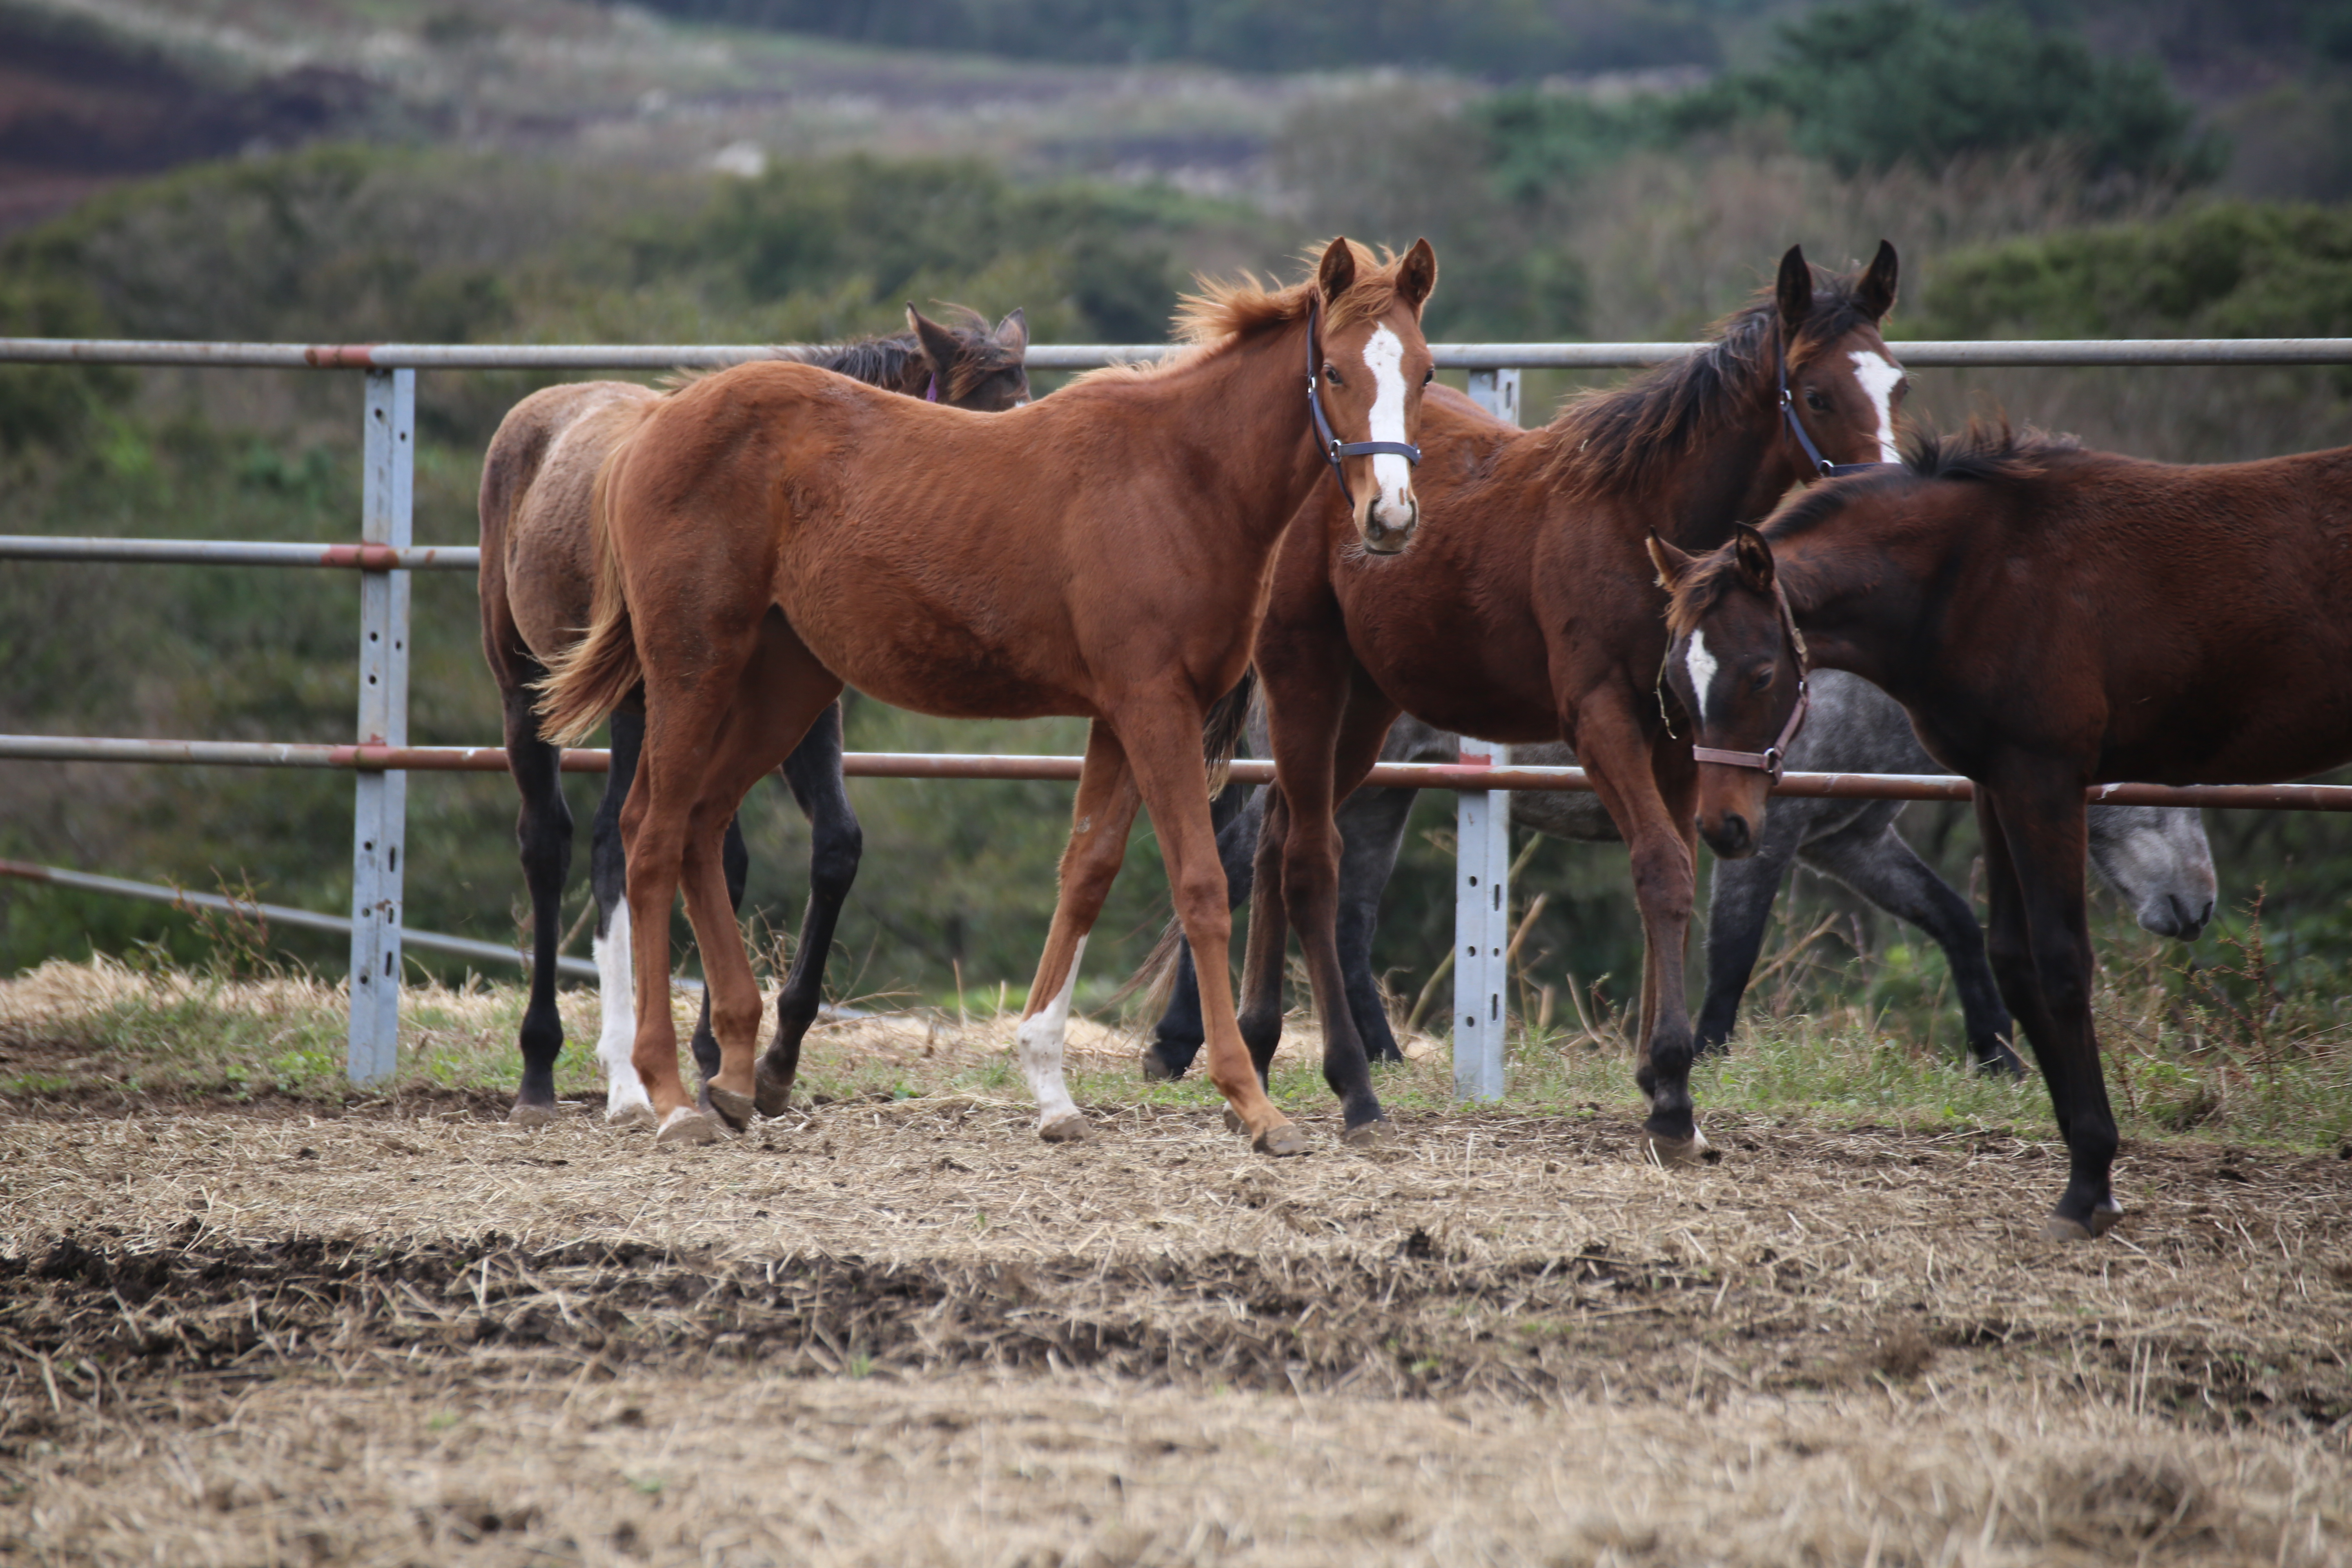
[1877,294]
[1417,275]
[1336,274]
[1670,561]
[938,344]
[1752,557]
[1013,333]
[1794,290]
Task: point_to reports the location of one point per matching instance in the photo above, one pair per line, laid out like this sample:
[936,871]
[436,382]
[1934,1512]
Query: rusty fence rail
[385,554]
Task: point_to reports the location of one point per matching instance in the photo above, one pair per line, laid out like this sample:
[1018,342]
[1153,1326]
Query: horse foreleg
[1739,903]
[1162,735]
[1372,824]
[1313,777]
[543,834]
[1625,768]
[624,1092]
[1260,1019]
[836,843]
[1099,821]
[1872,859]
[1176,1037]
[2039,945]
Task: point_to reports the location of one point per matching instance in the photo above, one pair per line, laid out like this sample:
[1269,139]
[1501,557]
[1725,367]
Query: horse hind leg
[625,1104]
[735,860]
[836,843]
[543,836]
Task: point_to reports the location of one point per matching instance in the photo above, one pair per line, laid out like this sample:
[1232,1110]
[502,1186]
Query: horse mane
[1230,310]
[1626,436]
[1988,451]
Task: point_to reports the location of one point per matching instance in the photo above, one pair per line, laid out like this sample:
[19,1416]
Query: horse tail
[1221,730]
[588,680]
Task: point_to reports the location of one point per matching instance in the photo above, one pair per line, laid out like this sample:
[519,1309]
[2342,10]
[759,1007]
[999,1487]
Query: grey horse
[2156,857]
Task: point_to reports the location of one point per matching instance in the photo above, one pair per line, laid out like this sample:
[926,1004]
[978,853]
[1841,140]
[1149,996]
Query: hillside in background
[555,171]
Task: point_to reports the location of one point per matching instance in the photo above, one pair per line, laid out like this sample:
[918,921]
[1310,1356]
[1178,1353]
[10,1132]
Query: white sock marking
[1384,356]
[617,1038]
[1879,377]
[1702,666]
[1038,1043]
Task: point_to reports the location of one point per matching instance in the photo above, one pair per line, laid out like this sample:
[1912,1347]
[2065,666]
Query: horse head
[1736,666]
[973,365]
[1841,388]
[1367,365]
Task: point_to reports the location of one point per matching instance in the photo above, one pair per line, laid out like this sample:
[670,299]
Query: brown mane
[1988,451]
[1619,437]
[1229,310]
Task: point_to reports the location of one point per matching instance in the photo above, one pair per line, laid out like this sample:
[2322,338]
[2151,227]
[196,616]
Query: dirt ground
[904,1331]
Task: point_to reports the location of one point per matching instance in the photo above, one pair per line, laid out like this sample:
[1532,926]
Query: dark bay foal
[536,587]
[2051,618]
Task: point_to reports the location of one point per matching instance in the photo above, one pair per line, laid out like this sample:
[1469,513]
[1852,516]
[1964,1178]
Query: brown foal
[2052,618]
[771,532]
[1526,610]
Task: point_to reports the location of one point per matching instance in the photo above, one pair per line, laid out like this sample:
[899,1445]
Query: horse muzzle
[1387,524]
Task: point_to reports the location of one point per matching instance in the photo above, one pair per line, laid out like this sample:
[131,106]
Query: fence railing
[385,554]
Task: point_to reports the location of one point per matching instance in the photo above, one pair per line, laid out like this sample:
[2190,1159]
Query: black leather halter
[1333,447]
[1769,761]
[1821,465]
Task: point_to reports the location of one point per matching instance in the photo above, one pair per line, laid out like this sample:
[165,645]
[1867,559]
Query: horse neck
[1735,477]
[1858,602]
[1253,395]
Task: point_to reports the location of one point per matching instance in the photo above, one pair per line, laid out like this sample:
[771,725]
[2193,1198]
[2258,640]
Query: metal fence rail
[385,555]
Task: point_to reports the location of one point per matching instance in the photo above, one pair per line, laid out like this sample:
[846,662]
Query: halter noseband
[1821,465]
[1770,760]
[1332,447]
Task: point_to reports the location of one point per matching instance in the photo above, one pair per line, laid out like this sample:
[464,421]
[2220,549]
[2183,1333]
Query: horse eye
[1331,374]
[1816,402]
[1761,678]
[1429,375]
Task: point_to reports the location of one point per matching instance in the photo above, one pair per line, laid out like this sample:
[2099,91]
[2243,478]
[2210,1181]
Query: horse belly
[915,655]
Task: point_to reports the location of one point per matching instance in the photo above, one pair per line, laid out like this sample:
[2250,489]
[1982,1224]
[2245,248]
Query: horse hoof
[1370,1135]
[635,1114]
[686,1126]
[532,1115]
[2058,1227]
[1678,1152]
[1071,1129]
[733,1109]
[1282,1142]
[1234,1122]
[774,1095]
[1157,1071]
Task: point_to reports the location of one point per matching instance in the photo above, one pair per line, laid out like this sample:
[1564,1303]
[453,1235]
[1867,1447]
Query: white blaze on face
[1878,377]
[1384,356]
[1038,1045]
[1702,667]
[616,997]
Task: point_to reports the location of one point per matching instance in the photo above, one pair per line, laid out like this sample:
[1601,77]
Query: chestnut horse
[1527,611]
[768,533]
[537,592]
[2052,618]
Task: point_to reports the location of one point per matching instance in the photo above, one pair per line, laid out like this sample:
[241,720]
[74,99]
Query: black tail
[1222,729]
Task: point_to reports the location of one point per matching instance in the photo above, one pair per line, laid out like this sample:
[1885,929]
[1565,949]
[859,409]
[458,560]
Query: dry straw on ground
[895,1329]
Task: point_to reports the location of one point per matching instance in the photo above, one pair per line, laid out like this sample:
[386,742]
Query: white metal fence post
[1482,892]
[379,819]
[1497,392]
[1481,928]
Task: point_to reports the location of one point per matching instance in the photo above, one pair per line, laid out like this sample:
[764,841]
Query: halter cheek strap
[1769,761]
[1334,448]
[931,392]
[1821,465]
